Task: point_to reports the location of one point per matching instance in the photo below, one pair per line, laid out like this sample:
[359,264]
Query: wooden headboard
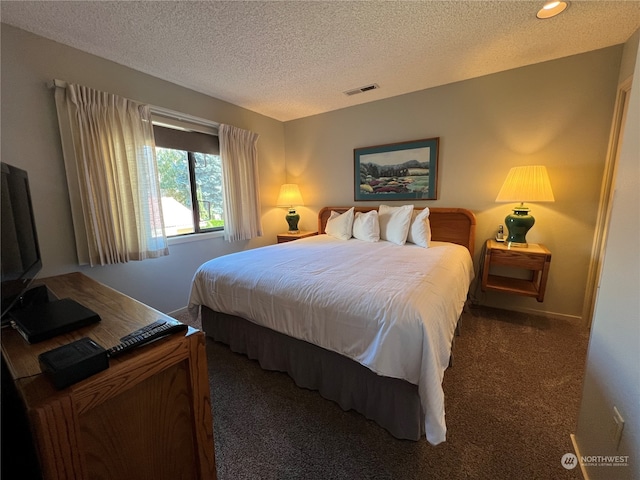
[455,225]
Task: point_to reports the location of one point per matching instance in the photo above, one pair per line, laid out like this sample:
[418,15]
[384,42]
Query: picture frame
[397,171]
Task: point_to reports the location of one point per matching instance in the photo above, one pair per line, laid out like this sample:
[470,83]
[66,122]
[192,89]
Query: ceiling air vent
[355,91]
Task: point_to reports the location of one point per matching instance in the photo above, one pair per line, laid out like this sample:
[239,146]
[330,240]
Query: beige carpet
[512,401]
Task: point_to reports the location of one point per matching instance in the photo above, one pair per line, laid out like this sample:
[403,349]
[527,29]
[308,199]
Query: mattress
[391,308]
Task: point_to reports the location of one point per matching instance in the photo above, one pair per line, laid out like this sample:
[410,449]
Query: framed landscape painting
[397,171]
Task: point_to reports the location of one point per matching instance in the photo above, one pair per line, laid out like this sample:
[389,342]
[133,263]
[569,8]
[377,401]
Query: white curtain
[239,156]
[109,155]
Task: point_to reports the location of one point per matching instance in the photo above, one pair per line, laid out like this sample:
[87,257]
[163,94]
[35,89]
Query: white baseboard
[577,452]
[575,319]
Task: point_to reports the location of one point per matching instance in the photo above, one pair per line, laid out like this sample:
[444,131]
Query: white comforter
[391,308]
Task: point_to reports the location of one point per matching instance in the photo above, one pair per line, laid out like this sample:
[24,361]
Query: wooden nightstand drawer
[530,261]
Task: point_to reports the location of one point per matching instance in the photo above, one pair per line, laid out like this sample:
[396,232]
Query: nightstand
[535,258]
[289,237]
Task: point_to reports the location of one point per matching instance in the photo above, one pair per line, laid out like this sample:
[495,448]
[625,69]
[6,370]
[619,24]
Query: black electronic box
[41,322]
[73,362]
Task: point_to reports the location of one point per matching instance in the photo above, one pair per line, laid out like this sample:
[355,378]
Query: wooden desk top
[534,248]
[146,416]
[119,315]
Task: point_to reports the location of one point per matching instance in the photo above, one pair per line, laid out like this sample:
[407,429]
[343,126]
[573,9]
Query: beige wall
[611,373]
[30,140]
[629,53]
[556,113]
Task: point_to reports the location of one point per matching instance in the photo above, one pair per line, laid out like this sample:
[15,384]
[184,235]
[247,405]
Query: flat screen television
[21,260]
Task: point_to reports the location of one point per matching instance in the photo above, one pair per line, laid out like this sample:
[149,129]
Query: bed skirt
[392,403]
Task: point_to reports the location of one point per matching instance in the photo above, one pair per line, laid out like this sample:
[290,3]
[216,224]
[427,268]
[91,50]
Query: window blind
[183,140]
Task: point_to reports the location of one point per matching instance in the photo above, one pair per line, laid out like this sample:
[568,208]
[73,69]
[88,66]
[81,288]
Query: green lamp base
[292,219]
[518,224]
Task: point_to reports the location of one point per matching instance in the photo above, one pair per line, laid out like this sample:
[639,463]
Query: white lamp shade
[289,196]
[526,184]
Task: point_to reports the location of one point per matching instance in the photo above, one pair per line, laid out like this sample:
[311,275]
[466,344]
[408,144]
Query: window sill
[194,237]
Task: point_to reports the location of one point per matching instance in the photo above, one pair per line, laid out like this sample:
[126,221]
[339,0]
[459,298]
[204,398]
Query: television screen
[20,261]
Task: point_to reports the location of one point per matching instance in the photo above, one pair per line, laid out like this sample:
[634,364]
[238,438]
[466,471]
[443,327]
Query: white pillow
[340,225]
[420,231]
[395,223]
[366,226]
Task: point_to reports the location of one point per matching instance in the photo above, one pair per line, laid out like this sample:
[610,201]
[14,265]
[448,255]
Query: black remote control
[146,337]
[144,329]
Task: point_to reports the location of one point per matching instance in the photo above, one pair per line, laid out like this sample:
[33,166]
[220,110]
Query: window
[190,171]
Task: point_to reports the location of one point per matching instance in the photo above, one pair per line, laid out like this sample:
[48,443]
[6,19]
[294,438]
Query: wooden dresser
[148,416]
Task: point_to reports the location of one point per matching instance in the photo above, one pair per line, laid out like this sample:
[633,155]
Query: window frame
[194,237]
[179,121]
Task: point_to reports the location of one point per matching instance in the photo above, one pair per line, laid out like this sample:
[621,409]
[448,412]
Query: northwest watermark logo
[570,461]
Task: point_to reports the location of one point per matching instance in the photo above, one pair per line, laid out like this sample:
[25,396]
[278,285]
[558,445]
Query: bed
[369,325]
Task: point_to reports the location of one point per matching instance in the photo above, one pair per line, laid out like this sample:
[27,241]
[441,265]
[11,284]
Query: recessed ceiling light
[551,9]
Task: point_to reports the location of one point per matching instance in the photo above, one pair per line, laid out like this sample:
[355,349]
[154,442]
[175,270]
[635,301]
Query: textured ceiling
[291,59]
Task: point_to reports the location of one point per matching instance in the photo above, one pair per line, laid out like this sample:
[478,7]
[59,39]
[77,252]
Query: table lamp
[524,184]
[290,197]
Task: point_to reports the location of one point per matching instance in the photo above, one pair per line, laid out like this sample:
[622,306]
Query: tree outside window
[188,179]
